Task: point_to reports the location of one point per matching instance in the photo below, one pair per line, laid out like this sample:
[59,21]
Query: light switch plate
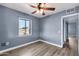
[7,43]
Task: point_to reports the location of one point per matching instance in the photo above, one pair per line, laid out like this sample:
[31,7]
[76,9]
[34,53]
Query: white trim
[62,31]
[30,27]
[70,15]
[51,43]
[62,26]
[12,48]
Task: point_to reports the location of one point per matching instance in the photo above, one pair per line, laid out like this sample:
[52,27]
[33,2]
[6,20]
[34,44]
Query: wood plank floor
[41,49]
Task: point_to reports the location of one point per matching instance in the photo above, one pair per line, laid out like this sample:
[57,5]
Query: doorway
[70,31]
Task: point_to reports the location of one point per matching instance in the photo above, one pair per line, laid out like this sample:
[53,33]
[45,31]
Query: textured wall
[51,28]
[9,27]
[72,29]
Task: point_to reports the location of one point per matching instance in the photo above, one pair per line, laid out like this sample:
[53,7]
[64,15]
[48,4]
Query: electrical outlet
[2,44]
[5,43]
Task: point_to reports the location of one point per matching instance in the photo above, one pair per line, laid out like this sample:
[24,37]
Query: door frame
[62,30]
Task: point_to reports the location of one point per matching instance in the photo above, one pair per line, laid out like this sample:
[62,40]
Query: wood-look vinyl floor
[42,49]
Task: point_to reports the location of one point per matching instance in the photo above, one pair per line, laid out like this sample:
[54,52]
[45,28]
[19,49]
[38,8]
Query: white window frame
[20,18]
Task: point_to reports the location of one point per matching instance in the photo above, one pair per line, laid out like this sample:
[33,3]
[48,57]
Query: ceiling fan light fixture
[41,11]
[41,7]
[38,11]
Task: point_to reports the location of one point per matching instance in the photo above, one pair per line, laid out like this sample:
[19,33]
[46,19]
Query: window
[24,27]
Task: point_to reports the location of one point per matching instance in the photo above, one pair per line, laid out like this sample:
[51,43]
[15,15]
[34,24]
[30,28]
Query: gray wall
[9,28]
[72,29]
[51,28]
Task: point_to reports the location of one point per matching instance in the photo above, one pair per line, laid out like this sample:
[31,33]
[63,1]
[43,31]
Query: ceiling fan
[41,7]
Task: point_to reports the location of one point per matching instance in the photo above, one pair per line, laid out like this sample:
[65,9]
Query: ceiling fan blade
[39,4]
[52,9]
[33,6]
[34,12]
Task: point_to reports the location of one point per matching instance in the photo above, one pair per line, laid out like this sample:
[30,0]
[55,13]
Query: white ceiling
[24,7]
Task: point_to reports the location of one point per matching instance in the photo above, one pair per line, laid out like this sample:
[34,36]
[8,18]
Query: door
[70,33]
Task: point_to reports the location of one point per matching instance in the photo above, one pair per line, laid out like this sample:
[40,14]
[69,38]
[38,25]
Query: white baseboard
[51,43]
[12,48]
